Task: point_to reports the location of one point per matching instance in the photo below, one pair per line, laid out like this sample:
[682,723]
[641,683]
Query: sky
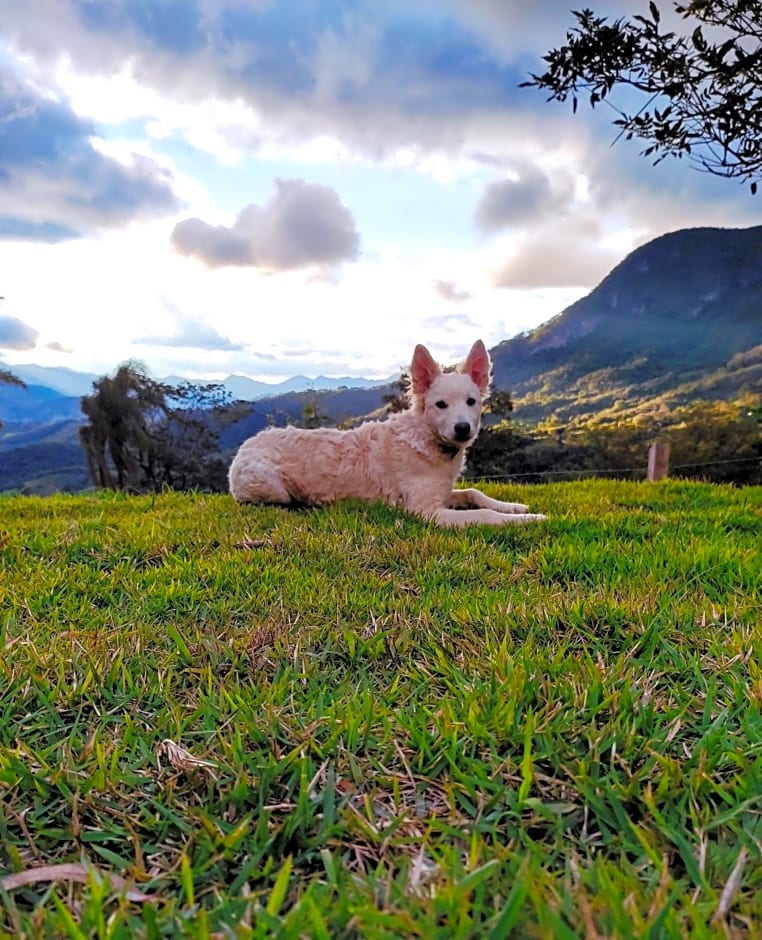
[282,187]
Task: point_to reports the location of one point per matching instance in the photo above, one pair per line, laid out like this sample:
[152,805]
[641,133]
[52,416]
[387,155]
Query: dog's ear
[423,370]
[479,366]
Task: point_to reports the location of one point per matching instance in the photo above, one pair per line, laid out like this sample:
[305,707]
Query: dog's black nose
[462,431]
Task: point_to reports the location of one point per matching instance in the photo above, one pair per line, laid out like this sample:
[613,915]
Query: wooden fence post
[658,460]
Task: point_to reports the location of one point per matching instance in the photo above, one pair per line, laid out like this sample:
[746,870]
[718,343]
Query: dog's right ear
[423,370]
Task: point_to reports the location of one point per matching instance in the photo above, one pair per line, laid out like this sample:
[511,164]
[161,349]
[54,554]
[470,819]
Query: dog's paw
[512,518]
[519,518]
[510,507]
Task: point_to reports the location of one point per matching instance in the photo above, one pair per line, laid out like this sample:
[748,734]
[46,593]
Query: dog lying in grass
[410,460]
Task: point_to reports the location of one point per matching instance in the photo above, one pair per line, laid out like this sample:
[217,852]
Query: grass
[382,729]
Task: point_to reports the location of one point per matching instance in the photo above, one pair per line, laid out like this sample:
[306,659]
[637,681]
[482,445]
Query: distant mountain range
[678,321]
[69,383]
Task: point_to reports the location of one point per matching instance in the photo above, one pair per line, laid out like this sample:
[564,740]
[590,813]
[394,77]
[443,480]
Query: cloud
[303,224]
[438,324]
[449,290]
[513,28]
[55,184]
[15,334]
[378,78]
[525,197]
[25,231]
[192,334]
[55,346]
[569,257]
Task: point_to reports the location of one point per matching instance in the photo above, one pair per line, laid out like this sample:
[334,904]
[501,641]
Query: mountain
[246,389]
[42,458]
[35,403]
[678,321]
[680,318]
[70,383]
[337,406]
[60,379]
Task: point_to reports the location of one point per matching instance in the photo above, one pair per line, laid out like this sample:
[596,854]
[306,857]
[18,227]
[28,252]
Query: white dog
[410,460]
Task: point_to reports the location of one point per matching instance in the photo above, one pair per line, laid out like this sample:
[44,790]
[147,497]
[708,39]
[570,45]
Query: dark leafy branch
[702,90]
[8,378]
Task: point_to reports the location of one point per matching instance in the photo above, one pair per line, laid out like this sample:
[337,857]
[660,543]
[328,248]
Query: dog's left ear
[423,370]
[479,366]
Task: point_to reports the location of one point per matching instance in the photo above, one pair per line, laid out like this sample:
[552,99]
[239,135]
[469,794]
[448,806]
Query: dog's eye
[441,404]
[470,401]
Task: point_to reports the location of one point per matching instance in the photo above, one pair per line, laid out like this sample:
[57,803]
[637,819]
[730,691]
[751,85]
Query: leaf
[280,888]
[509,915]
[181,759]
[731,886]
[476,877]
[186,876]
[527,761]
[654,12]
[74,871]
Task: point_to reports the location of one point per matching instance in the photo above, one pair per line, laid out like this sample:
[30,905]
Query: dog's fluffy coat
[410,460]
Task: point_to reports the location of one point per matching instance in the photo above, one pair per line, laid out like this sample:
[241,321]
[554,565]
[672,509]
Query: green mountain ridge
[680,318]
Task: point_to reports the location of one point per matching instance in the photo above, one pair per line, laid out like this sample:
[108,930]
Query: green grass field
[383,729]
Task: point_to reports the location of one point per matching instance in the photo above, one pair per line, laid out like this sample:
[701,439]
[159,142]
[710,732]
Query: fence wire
[602,472]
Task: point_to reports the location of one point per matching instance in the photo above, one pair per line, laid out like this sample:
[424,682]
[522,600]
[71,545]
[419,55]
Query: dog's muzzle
[462,431]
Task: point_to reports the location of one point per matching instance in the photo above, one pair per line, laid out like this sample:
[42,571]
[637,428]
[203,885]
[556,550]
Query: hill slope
[680,317]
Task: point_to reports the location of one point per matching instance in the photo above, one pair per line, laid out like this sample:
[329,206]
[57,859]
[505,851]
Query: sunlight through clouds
[344,162]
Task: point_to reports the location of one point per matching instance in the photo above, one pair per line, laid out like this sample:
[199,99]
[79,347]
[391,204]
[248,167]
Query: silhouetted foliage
[500,404]
[399,398]
[144,435]
[703,89]
[8,378]
[313,415]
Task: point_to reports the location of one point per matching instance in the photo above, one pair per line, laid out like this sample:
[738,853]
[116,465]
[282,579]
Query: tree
[398,399]
[313,415]
[143,435]
[8,378]
[500,404]
[703,96]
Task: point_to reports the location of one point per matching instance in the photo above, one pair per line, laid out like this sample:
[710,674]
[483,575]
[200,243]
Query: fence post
[658,460]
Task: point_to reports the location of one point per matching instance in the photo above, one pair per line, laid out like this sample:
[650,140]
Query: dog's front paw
[513,518]
[512,507]
[519,518]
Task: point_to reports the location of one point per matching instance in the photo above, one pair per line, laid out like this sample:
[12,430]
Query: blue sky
[269,187]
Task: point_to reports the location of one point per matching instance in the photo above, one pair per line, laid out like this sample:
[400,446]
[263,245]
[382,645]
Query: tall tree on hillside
[398,399]
[120,410]
[143,435]
[8,378]
[701,92]
[500,404]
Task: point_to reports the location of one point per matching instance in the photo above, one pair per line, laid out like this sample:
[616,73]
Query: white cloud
[303,224]
[15,334]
